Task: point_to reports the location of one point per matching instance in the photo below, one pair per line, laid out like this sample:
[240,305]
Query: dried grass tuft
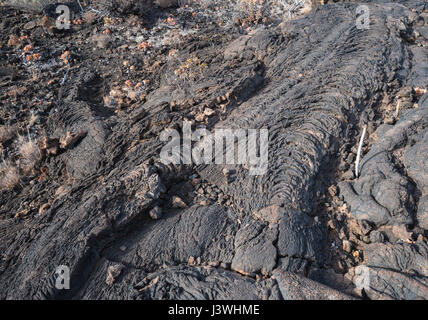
[30,155]
[9,176]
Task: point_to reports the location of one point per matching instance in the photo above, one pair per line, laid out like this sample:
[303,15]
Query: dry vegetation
[30,156]
[6,133]
[22,160]
[9,176]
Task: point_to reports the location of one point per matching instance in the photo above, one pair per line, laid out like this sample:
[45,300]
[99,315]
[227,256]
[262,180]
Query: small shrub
[30,155]
[9,176]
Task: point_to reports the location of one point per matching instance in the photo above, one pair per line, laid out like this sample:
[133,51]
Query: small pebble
[178,203]
[347,246]
[156,213]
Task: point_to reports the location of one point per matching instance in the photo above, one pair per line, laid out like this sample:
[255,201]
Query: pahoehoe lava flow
[82,184]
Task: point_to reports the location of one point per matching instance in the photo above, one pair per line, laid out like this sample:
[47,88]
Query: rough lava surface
[130,227]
